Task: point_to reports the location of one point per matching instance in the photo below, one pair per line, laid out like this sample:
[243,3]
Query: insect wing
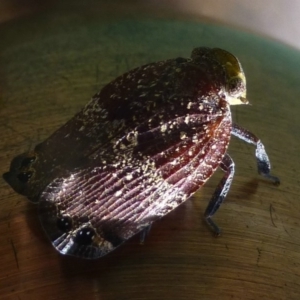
[94,210]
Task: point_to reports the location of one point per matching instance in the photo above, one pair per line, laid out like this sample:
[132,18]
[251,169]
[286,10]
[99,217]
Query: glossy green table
[51,63]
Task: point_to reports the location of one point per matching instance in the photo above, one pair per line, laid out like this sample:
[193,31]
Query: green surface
[50,66]
[58,62]
[72,58]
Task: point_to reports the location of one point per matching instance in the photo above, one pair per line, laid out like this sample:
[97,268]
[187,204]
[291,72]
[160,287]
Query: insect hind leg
[227,165]
[144,233]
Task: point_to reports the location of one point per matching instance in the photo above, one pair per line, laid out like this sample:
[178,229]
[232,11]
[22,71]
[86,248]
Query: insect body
[142,146]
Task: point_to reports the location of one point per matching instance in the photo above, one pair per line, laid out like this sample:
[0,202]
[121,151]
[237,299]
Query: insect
[142,146]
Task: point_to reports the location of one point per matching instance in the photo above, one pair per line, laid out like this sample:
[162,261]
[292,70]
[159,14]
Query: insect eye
[235,86]
[64,223]
[27,161]
[24,176]
[85,236]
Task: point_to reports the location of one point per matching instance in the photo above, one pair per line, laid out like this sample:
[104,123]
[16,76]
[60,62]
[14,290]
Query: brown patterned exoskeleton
[142,146]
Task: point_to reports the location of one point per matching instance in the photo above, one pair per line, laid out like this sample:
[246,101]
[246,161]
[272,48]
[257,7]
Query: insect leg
[263,162]
[227,165]
[144,233]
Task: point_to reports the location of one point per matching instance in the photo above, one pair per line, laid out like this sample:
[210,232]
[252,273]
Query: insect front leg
[263,162]
[227,165]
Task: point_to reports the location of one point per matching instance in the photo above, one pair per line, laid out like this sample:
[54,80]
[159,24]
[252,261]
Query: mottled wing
[92,211]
